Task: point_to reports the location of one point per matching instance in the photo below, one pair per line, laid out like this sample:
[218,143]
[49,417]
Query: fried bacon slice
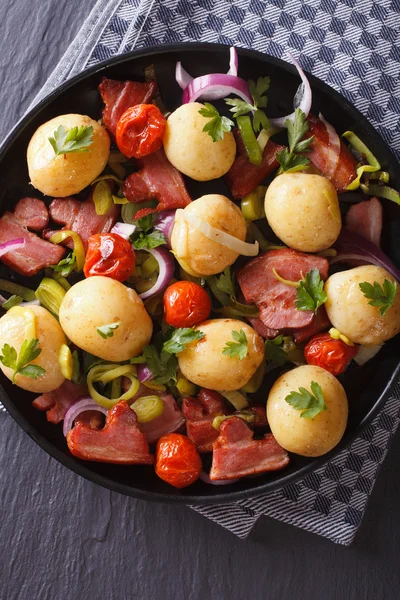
[365,218]
[199,414]
[57,402]
[32,212]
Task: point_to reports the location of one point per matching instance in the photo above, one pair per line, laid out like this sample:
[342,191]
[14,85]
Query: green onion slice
[372,165]
[50,294]
[244,310]
[17,290]
[148,408]
[61,236]
[102,197]
[382,191]
[105,373]
[252,205]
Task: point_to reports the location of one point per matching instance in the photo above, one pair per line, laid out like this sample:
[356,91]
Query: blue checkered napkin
[355,47]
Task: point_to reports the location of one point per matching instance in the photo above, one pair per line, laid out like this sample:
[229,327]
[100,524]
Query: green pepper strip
[381,175]
[220,296]
[105,374]
[255,235]
[383,191]
[61,236]
[61,281]
[372,165]
[244,310]
[17,290]
[249,140]
[102,197]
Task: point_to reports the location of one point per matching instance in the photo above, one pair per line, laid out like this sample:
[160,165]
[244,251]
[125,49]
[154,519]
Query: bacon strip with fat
[32,212]
[365,218]
[199,414]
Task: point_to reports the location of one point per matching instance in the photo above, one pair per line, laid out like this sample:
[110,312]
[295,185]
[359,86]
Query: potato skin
[50,336]
[348,309]
[307,437]
[203,256]
[67,174]
[98,301]
[204,364]
[303,211]
[191,150]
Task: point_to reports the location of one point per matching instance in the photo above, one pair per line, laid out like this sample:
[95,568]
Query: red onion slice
[216,86]
[204,477]
[80,405]
[125,230]
[166,270]
[302,99]
[164,222]
[183,78]
[144,373]
[11,245]
[334,145]
[351,246]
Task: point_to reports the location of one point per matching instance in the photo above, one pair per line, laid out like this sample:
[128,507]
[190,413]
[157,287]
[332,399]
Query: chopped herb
[76,139]
[180,338]
[257,91]
[107,331]
[310,404]
[217,126]
[12,301]
[310,293]
[20,364]
[291,160]
[226,282]
[66,265]
[380,296]
[274,351]
[145,223]
[238,348]
[149,240]
[163,365]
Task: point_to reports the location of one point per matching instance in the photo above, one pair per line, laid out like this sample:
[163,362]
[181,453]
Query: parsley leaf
[310,404]
[226,282]
[76,139]
[238,348]
[163,365]
[20,363]
[66,265]
[240,107]
[149,240]
[217,126]
[380,296]
[310,293]
[290,160]
[274,352]
[107,331]
[180,338]
[257,91]
[12,301]
[145,223]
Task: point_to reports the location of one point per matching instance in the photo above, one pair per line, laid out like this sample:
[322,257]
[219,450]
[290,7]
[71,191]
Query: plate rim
[79,466]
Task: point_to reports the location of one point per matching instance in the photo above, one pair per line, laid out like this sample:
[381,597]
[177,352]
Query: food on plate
[364,304]
[66,154]
[201,337]
[104,317]
[225,358]
[197,250]
[303,211]
[307,411]
[31,339]
[191,150]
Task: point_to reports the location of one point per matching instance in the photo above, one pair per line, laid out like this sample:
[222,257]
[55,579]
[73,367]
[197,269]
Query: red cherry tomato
[140,130]
[110,255]
[177,460]
[186,304]
[332,355]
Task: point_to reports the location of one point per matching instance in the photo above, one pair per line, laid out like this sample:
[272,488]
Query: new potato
[303,211]
[350,312]
[51,338]
[191,150]
[98,301]
[66,174]
[307,437]
[197,254]
[204,364]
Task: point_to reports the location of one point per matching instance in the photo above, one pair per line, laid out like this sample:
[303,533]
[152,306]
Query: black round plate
[366,387]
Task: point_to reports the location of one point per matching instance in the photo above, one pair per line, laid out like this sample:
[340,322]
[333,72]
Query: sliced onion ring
[204,477]
[77,407]
[334,144]
[183,78]
[125,230]
[302,99]
[11,245]
[164,222]
[166,270]
[216,86]
[219,236]
[144,373]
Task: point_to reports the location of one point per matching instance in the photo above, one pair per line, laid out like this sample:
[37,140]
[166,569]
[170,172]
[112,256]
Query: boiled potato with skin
[350,312]
[197,254]
[51,338]
[204,364]
[66,174]
[307,437]
[98,301]
[303,211]
[192,150]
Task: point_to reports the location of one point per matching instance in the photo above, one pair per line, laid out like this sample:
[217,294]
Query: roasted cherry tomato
[186,304]
[330,354]
[140,130]
[177,460]
[110,255]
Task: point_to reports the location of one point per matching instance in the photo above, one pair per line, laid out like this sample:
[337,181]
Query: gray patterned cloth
[354,46]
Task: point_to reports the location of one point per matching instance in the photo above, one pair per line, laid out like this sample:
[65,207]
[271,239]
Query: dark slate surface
[63,537]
